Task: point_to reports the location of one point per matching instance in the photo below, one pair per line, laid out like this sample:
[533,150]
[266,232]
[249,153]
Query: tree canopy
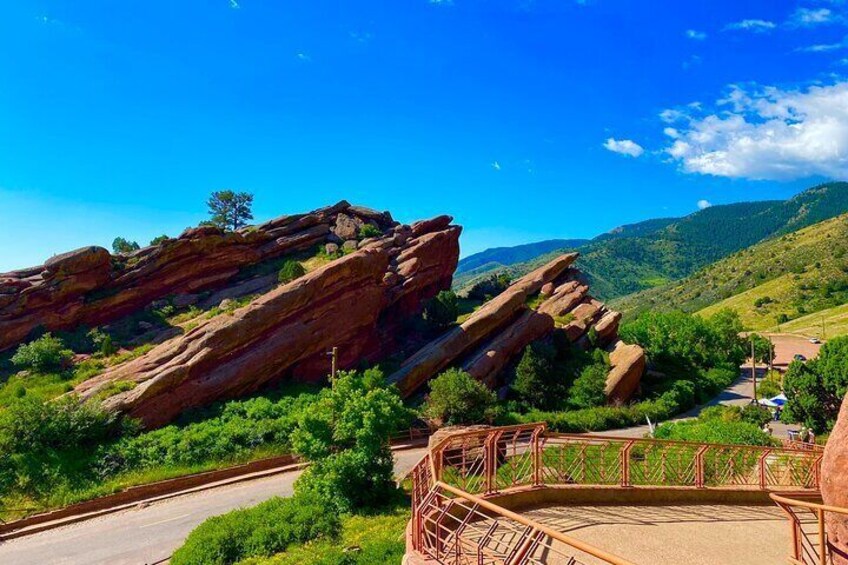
[230,210]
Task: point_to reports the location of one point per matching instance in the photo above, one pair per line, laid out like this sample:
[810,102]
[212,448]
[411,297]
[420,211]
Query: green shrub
[45,354]
[491,286]
[588,389]
[442,310]
[263,530]
[290,271]
[536,382]
[159,239]
[457,398]
[815,389]
[715,431]
[123,246]
[369,230]
[345,435]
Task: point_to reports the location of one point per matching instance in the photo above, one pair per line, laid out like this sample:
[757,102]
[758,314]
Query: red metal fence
[452,481]
[810,544]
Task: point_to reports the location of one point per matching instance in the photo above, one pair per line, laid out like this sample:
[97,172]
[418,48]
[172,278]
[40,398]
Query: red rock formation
[352,303]
[481,325]
[628,366]
[834,484]
[90,287]
[495,334]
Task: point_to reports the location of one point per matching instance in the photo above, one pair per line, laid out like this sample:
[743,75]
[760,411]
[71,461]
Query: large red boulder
[834,484]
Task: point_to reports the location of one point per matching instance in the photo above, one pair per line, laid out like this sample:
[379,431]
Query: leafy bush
[290,271]
[815,389]
[38,438]
[345,434]
[159,239]
[588,389]
[536,382]
[457,398]
[45,354]
[223,432]
[715,431]
[263,530]
[490,286]
[369,230]
[122,246]
[442,310]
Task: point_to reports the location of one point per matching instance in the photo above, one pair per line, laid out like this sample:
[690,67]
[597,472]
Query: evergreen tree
[230,210]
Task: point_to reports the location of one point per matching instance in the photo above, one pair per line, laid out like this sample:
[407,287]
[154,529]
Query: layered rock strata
[355,303]
[91,287]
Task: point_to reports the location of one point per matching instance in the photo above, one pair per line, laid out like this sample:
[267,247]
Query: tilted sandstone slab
[628,366]
[91,287]
[481,325]
[355,303]
[834,484]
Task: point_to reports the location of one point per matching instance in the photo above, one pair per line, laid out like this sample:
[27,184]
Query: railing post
[537,457]
[762,468]
[817,471]
[699,466]
[822,538]
[625,464]
[490,460]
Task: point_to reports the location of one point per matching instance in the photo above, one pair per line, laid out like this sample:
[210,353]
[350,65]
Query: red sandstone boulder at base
[628,366]
[834,484]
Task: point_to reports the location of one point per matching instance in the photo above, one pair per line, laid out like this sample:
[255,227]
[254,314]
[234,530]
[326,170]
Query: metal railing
[807,520]
[489,461]
[454,523]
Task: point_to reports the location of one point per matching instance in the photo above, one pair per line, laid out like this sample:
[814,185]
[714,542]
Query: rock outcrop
[91,287]
[834,485]
[491,338]
[355,303]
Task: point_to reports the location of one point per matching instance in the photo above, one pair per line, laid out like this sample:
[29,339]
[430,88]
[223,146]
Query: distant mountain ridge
[656,252]
[505,256]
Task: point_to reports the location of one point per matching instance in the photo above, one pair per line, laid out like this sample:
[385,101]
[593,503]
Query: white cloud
[823,47]
[767,133]
[304,57]
[809,17]
[696,35]
[624,147]
[703,204]
[442,2]
[234,5]
[754,25]
[671,132]
[496,166]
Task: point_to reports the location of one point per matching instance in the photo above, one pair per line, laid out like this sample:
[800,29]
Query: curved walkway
[705,534]
[150,534]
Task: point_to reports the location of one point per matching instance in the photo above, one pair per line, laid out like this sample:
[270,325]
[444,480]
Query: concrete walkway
[671,535]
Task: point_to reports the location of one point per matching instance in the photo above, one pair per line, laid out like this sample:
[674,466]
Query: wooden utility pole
[754,368]
[334,355]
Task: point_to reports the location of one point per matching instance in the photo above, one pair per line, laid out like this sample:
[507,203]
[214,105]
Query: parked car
[799,357]
[815,340]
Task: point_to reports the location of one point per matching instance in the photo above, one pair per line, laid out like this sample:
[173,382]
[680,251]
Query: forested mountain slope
[774,282]
[657,252]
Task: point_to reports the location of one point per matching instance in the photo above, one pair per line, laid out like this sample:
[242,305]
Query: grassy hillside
[654,253]
[777,282]
[505,256]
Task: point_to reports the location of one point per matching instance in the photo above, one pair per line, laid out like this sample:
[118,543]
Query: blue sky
[524,119]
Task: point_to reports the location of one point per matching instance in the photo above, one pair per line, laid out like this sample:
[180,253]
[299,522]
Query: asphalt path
[150,534]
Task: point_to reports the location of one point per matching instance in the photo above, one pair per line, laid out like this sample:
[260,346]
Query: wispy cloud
[823,47]
[696,35]
[234,5]
[753,25]
[626,147]
[304,57]
[811,17]
[496,166]
[441,2]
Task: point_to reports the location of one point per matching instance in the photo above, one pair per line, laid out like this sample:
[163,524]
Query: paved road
[149,535]
[737,394]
